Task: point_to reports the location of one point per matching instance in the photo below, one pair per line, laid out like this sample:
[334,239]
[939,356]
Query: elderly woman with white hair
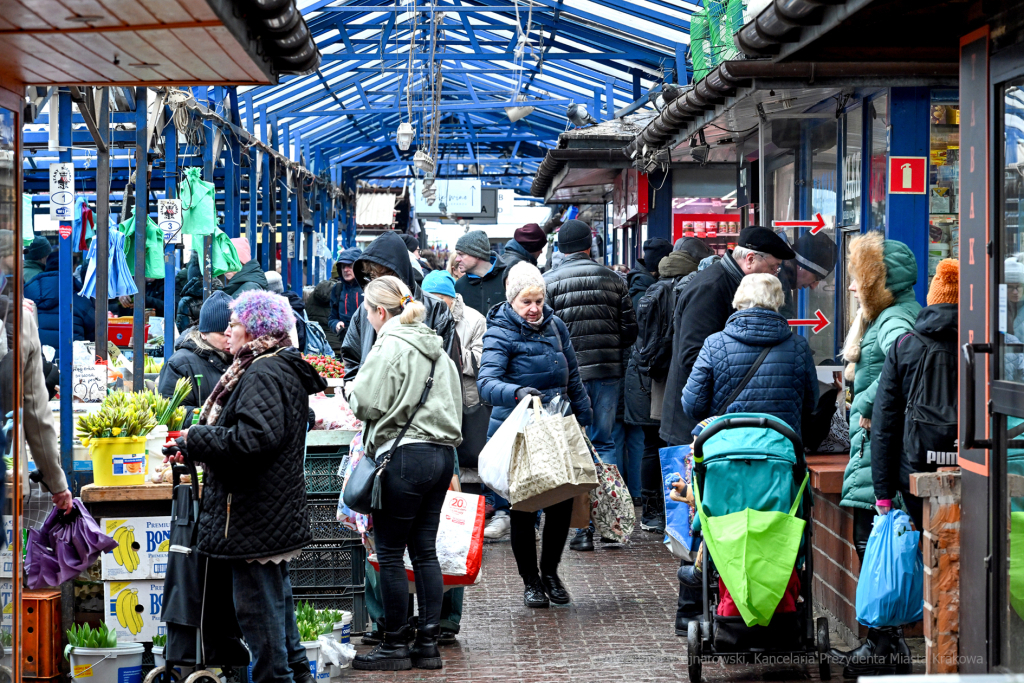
[785,382]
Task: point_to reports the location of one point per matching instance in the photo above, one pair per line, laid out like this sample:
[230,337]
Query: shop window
[852,168]
[878,120]
[944,180]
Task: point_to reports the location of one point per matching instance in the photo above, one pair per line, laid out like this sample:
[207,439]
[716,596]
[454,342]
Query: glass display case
[944,179]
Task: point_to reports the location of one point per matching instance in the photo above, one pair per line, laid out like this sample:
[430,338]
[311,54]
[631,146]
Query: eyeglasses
[233,323]
[778,268]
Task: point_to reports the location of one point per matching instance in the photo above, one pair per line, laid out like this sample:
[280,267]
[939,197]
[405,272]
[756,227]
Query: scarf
[229,380]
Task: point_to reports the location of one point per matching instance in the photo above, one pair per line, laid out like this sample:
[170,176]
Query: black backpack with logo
[930,424]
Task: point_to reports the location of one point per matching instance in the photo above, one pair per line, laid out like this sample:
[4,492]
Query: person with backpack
[648,365]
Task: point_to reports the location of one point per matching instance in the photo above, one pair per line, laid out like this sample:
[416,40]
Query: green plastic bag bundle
[198,204]
[224,255]
[154,247]
[755,553]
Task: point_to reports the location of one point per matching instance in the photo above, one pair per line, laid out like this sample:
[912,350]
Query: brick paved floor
[619,627]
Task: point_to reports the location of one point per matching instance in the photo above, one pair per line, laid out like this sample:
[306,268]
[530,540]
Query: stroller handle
[737,422]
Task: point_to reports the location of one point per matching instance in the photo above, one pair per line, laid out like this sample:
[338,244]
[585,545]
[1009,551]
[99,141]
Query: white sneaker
[498,526]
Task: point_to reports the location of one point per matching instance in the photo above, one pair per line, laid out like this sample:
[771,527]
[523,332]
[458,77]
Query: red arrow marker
[816,225]
[819,322]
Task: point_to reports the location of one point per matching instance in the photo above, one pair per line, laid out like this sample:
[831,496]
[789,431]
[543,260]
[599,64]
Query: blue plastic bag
[680,539]
[890,591]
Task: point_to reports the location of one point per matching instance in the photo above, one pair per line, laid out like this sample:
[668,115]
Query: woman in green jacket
[883,274]
[388,396]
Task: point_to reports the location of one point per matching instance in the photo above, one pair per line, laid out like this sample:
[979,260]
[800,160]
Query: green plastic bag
[755,553]
[198,204]
[224,256]
[154,247]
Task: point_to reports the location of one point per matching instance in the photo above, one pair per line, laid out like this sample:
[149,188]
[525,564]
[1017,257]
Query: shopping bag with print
[611,505]
[679,536]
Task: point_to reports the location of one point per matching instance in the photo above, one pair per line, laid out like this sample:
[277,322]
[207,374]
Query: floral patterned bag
[611,506]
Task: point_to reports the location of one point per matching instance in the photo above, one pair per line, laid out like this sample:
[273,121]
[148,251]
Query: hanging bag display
[224,255]
[154,267]
[198,205]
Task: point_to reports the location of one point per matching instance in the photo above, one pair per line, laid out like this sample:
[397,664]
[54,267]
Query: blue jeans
[629,452]
[604,400]
[265,609]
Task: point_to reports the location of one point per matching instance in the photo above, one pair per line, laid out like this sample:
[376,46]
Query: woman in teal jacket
[883,274]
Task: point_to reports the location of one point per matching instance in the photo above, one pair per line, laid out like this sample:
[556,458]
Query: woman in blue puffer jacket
[527,352]
[786,383]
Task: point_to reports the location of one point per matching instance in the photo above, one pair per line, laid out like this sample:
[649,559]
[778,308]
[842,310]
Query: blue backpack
[316,338]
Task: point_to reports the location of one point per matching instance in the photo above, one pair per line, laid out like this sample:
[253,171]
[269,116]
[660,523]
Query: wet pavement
[620,625]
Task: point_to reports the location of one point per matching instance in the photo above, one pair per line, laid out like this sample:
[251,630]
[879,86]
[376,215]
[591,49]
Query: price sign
[169,215]
[62,192]
[291,245]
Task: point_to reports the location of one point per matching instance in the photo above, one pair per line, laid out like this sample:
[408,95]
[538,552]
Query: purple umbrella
[64,547]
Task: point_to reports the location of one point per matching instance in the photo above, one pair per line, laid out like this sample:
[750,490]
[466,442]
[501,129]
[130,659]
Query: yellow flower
[115,431]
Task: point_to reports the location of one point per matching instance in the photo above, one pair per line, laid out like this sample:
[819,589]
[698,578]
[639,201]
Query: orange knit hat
[945,287]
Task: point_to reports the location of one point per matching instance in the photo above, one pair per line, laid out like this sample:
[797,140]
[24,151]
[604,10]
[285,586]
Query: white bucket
[342,633]
[155,446]
[312,654]
[122,664]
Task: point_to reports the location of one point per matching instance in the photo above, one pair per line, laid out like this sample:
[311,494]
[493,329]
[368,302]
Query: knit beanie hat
[522,275]
[411,243]
[439,282]
[945,287]
[532,237]
[263,313]
[817,254]
[655,249]
[215,314]
[574,236]
[475,243]
[1014,270]
[274,282]
[39,249]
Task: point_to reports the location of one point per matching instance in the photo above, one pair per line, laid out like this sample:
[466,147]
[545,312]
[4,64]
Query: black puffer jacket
[318,309]
[482,293]
[192,357]
[513,254]
[594,303]
[702,308]
[254,461]
[639,279]
[389,250]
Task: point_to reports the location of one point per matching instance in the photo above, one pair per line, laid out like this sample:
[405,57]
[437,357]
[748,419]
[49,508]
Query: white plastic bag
[334,653]
[496,455]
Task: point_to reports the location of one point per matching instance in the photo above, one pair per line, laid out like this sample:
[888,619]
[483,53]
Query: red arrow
[816,225]
[819,322]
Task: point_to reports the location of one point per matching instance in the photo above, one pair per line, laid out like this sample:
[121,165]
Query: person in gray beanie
[482,286]
[274,282]
[200,353]
[35,257]
[594,303]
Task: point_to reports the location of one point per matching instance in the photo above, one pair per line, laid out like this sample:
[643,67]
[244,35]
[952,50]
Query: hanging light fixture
[423,161]
[520,111]
[405,135]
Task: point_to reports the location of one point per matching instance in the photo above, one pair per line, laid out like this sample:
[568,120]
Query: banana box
[132,609]
[141,552]
[7,604]
[7,554]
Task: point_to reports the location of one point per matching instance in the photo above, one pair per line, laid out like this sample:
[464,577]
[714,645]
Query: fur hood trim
[868,268]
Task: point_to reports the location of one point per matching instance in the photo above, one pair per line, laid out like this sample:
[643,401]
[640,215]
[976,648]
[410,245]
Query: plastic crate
[328,567]
[323,521]
[323,471]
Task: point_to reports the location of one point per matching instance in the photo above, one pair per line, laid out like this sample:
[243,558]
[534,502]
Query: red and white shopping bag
[460,541]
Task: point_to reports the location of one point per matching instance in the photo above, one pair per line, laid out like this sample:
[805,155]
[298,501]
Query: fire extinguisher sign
[908,175]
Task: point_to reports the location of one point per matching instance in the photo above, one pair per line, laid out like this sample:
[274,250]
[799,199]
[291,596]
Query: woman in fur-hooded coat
[883,274]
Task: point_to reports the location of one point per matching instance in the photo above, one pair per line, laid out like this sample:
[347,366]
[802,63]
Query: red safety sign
[908,175]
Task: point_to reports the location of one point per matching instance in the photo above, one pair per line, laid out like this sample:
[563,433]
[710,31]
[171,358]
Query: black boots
[555,590]
[583,541]
[424,653]
[301,672]
[653,516]
[883,653]
[391,655]
[534,595]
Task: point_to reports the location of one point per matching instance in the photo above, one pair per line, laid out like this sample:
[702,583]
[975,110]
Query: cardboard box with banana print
[141,552]
[133,609]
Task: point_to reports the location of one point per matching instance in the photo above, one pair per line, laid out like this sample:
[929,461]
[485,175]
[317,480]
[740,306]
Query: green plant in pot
[86,636]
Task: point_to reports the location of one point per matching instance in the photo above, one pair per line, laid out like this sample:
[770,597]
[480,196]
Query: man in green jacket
[36,254]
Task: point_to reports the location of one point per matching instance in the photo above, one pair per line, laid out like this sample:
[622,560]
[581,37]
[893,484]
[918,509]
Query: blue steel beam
[65,323]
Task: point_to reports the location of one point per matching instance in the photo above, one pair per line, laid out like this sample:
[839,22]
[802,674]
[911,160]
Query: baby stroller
[750,474]
[195,591]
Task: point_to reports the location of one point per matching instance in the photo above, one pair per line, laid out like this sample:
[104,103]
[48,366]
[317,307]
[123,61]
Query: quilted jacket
[390,251]
[254,488]
[516,355]
[785,385]
[594,303]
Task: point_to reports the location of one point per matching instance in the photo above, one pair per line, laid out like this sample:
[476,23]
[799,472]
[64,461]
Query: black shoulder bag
[362,490]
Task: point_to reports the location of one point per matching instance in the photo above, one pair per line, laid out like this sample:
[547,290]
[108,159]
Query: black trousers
[650,464]
[524,540]
[863,520]
[414,485]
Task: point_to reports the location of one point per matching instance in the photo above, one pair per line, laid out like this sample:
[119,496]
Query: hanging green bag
[755,553]
[198,204]
[224,256]
[154,247]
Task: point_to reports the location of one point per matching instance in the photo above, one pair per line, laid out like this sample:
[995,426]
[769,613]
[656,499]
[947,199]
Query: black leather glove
[523,392]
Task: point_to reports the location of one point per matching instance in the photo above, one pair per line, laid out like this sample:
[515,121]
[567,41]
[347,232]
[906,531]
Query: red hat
[531,236]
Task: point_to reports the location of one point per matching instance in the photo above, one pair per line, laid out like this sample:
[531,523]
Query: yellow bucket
[118,461]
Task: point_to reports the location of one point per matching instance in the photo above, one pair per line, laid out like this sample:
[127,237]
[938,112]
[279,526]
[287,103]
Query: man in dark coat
[44,290]
[594,303]
[35,258]
[347,296]
[250,277]
[527,244]
[645,272]
[388,256]
[199,351]
[483,285]
[318,309]
[703,308]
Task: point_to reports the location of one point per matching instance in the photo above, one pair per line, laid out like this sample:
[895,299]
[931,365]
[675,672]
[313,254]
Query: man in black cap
[36,254]
[816,257]
[594,303]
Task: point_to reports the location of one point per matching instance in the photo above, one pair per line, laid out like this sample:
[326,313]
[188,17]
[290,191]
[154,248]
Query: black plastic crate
[323,521]
[323,471]
[339,566]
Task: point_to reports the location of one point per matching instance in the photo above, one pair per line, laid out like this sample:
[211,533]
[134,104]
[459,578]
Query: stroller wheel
[694,648]
[157,675]
[203,676]
[824,666]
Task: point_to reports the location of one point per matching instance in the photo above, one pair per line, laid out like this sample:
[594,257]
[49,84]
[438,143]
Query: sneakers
[584,540]
[653,516]
[498,527]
